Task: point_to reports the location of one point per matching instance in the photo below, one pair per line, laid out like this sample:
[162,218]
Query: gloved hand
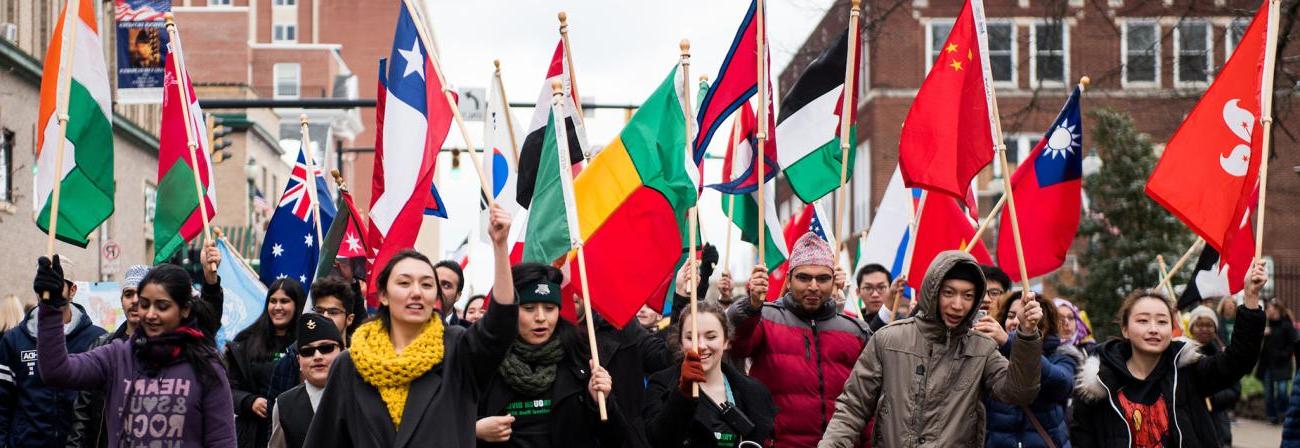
[692,372]
[49,282]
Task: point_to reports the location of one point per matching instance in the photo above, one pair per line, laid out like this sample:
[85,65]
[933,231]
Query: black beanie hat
[314,327]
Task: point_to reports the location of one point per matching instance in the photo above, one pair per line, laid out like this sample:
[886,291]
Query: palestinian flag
[808,132]
[86,178]
[632,201]
[177,218]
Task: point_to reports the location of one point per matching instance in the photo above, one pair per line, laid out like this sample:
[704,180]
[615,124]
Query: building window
[861,206]
[285,2]
[1002,52]
[219,2]
[1141,52]
[864,69]
[935,36]
[1018,148]
[284,32]
[6,166]
[1049,43]
[1233,36]
[287,80]
[150,203]
[1192,45]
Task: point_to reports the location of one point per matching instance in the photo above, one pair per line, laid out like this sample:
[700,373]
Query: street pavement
[1255,434]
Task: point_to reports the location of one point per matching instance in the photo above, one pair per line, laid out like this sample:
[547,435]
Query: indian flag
[632,201]
[808,132]
[86,175]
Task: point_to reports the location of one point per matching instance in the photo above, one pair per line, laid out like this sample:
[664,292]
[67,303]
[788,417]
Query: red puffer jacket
[803,359]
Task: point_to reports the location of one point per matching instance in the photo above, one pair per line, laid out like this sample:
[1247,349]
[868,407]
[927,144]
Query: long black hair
[175,281]
[259,338]
[383,314]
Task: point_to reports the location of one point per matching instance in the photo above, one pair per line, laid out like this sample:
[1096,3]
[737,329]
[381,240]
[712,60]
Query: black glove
[49,282]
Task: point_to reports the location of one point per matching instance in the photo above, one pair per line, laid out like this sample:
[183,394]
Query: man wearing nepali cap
[88,409]
[319,342]
[802,349]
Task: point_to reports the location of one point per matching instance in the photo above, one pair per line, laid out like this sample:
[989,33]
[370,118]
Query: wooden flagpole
[557,108]
[1165,274]
[911,245]
[1266,119]
[693,216]
[310,181]
[1196,246]
[418,19]
[568,65]
[505,105]
[846,111]
[191,137]
[761,134]
[71,13]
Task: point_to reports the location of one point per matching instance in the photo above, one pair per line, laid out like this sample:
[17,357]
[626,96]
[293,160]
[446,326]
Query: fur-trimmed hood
[1115,353]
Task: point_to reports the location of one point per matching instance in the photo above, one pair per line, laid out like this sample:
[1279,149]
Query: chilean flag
[1050,185]
[413,117]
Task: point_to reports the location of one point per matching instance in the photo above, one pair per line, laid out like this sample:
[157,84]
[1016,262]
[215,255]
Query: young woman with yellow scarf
[408,380]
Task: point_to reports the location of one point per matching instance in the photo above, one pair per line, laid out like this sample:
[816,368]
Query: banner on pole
[141,50]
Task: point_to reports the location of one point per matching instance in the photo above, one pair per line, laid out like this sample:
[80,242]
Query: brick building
[1149,59]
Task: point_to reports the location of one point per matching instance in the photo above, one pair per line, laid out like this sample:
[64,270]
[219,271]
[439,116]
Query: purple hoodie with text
[171,409]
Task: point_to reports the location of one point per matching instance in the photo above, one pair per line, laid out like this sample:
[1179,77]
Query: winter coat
[630,355]
[171,408]
[88,411]
[1223,401]
[1291,425]
[32,413]
[1275,357]
[249,378]
[440,405]
[1185,378]
[574,416]
[802,359]
[284,373]
[1008,425]
[679,420]
[923,382]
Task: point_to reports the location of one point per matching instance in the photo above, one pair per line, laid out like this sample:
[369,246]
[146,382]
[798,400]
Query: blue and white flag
[292,244]
[244,294]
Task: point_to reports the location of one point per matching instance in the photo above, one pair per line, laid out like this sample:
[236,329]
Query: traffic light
[217,141]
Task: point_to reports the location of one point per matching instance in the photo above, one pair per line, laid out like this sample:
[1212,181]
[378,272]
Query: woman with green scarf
[544,392]
[407,380]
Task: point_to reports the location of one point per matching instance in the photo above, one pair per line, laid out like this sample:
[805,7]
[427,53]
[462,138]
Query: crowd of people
[964,360]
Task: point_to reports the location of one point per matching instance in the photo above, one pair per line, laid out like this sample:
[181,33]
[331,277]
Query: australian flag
[292,244]
[1049,186]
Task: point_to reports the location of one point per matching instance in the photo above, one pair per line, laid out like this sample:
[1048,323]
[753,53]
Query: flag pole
[310,182]
[183,77]
[568,62]
[761,134]
[418,20]
[1165,274]
[1196,246]
[911,245]
[846,111]
[505,104]
[693,216]
[557,99]
[71,10]
[1266,119]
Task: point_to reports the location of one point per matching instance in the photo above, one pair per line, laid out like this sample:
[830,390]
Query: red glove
[692,372]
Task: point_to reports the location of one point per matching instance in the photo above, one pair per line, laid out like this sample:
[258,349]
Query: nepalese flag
[737,81]
[291,247]
[1049,184]
[141,10]
[413,117]
[740,164]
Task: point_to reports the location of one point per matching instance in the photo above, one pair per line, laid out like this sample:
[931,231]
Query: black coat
[293,407]
[441,404]
[630,355]
[1185,376]
[1276,355]
[574,413]
[674,419]
[249,378]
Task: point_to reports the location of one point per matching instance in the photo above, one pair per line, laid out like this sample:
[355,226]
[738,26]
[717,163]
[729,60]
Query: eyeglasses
[881,287]
[808,278]
[995,292]
[328,312]
[324,349]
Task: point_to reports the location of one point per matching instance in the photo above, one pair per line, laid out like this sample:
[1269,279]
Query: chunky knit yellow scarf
[381,366]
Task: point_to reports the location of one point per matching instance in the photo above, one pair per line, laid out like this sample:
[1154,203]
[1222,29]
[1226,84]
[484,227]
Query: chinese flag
[941,225]
[1210,168]
[947,138]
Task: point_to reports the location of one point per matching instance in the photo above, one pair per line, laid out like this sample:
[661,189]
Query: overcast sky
[621,51]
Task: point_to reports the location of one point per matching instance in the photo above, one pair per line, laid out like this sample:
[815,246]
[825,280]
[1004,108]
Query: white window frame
[221,3]
[1015,55]
[1229,42]
[1019,145]
[275,80]
[864,70]
[284,3]
[277,37]
[1033,56]
[861,186]
[1124,50]
[929,40]
[1209,54]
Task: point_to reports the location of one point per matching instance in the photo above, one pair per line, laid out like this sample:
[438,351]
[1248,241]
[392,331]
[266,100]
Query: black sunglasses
[307,352]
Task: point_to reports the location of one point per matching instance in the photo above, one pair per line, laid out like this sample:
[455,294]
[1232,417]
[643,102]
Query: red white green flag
[177,218]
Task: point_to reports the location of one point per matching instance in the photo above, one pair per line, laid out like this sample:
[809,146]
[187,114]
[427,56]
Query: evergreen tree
[1123,228]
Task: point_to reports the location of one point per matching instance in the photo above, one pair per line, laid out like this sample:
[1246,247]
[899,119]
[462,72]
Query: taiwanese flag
[947,136]
[1210,168]
[941,224]
[1050,185]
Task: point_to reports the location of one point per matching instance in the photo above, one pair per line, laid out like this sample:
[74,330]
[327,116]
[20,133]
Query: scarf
[381,366]
[530,369]
[165,349]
